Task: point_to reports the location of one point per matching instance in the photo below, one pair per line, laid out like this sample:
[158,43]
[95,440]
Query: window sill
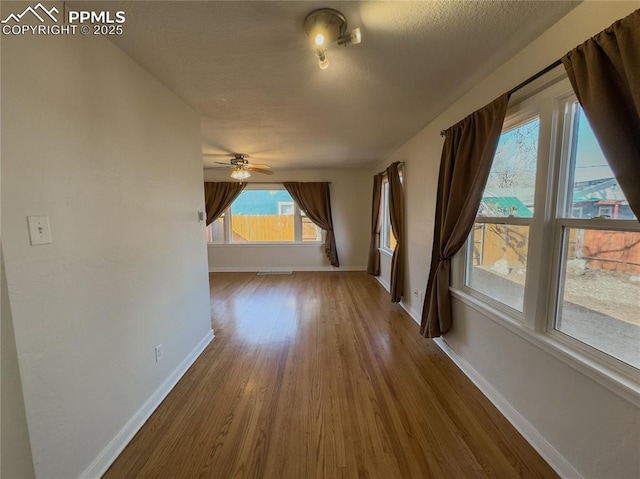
[233,245]
[386,252]
[618,382]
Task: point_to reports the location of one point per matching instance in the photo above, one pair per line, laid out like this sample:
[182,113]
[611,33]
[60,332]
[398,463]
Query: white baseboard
[259,269]
[411,312]
[384,284]
[524,427]
[109,454]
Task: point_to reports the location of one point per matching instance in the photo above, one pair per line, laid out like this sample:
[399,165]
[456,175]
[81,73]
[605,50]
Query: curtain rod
[273,182]
[535,77]
[266,182]
[400,164]
[529,80]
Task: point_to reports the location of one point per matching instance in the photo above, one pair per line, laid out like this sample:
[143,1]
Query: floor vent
[264,273]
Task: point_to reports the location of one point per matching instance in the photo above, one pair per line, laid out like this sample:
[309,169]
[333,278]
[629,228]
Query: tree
[514,164]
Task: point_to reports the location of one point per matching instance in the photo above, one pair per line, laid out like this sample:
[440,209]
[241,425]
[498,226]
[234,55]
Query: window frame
[549,96]
[385,230]
[562,223]
[297,223]
[517,115]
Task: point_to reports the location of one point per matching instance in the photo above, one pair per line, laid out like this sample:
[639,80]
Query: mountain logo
[39,11]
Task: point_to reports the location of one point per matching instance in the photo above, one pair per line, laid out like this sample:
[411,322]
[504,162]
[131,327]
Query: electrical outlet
[158,353]
[418,294]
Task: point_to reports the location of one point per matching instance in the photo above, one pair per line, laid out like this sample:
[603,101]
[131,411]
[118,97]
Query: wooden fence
[610,250]
[262,228]
[495,242]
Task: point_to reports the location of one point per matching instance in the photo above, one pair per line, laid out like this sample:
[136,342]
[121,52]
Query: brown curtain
[218,196]
[605,74]
[314,199]
[467,154]
[396,218]
[373,265]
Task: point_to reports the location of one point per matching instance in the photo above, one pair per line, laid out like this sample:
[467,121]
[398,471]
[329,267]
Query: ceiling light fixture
[323,63]
[239,173]
[350,38]
[326,25]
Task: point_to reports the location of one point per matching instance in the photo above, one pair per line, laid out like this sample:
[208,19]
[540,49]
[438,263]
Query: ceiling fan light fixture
[239,173]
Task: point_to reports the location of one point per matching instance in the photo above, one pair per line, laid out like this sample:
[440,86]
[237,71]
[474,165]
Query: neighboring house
[504,206]
[261,202]
[600,197]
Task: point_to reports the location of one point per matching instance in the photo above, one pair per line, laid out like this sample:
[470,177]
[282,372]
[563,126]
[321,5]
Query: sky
[590,161]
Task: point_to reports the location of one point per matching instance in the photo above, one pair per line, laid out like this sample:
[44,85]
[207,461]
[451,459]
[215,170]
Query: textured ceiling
[248,69]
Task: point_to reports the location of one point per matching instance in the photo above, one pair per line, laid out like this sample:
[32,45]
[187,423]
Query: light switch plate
[39,230]
[158,353]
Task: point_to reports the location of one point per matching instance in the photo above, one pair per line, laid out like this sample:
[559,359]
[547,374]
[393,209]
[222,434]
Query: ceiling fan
[241,167]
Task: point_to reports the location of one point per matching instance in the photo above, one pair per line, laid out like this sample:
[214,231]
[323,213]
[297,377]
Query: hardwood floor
[318,375]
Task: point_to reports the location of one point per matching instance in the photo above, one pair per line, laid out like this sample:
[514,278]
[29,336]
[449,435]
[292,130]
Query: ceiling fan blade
[260,170]
[255,165]
[223,163]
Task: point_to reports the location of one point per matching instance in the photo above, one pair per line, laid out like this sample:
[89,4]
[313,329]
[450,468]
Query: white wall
[350,207]
[113,158]
[594,430]
[15,448]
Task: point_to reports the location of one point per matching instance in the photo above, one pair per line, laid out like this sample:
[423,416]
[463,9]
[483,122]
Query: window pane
[388,238]
[386,225]
[392,239]
[511,184]
[285,207]
[310,232]
[600,300]
[497,262]
[593,190]
[262,215]
[215,231]
[386,229]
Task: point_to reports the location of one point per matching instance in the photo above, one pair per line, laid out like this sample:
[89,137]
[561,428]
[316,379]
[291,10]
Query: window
[285,207]
[598,287]
[555,249]
[605,211]
[500,239]
[310,232]
[216,231]
[388,239]
[263,214]
[576,212]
